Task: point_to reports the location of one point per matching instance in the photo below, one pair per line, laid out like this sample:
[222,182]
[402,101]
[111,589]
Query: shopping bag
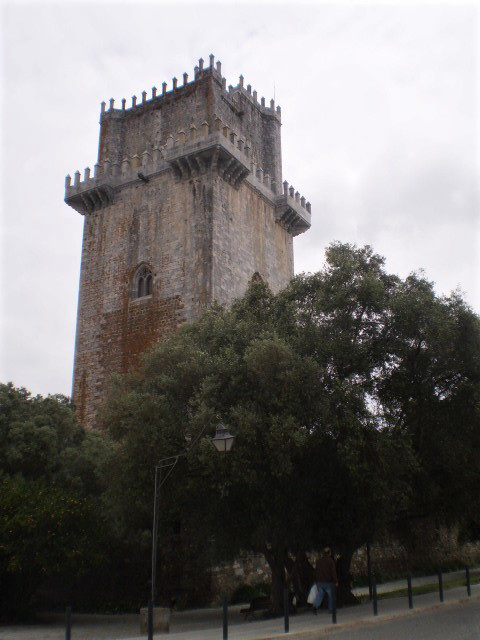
[312,594]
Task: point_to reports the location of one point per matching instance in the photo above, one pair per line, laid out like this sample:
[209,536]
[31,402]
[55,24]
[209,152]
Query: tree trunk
[345,596]
[276,560]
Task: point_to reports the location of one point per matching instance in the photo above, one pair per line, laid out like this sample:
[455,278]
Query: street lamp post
[162,472]
[223,441]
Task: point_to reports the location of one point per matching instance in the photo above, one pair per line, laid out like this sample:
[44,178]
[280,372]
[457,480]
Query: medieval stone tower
[186,204]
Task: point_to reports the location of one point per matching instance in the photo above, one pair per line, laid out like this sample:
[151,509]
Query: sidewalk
[304,626]
[206,624]
[394,585]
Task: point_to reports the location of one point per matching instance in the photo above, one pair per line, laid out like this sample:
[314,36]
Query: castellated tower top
[224,131]
[185,205]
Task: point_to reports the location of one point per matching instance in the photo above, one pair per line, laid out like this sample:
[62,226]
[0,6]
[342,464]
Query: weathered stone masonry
[188,187]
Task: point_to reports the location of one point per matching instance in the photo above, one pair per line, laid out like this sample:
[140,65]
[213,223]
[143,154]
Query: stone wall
[249,569]
[392,559]
[247,240]
[202,239]
[388,560]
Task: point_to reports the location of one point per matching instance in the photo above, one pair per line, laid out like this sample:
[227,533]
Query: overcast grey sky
[380,133]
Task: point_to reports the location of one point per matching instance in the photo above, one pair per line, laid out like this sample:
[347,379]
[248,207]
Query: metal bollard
[410,594]
[334,608]
[286,607]
[440,585]
[369,570]
[150,620]
[68,623]
[469,588]
[225,618]
[374,595]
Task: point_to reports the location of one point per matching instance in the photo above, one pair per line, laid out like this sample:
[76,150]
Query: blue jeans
[325,588]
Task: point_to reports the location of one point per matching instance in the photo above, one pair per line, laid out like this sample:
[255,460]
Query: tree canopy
[50,483]
[353,395]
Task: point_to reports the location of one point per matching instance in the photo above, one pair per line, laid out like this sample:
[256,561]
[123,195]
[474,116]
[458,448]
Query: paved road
[457,622]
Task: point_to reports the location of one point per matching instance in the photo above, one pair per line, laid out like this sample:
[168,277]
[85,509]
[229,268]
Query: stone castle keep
[186,204]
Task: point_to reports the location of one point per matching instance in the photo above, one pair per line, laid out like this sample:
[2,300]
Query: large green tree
[50,484]
[41,439]
[310,380]
[429,391]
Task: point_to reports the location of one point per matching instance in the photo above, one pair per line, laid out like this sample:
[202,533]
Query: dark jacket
[325,570]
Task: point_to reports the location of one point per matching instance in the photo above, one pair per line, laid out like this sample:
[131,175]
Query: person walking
[326,579]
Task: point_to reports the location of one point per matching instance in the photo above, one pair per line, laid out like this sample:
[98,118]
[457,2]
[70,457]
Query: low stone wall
[390,558]
[248,569]
[442,549]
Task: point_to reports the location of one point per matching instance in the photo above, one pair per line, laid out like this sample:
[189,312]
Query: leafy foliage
[331,388]
[40,438]
[49,488]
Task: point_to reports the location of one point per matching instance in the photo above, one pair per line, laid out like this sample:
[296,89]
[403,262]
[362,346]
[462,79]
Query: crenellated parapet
[91,193]
[292,211]
[252,96]
[214,70]
[204,147]
[207,147]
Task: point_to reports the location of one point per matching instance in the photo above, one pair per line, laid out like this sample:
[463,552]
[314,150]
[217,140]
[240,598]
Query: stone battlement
[200,72]
[190,154]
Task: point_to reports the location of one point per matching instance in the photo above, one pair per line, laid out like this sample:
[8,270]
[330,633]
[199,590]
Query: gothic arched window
[142,282]
[148,285]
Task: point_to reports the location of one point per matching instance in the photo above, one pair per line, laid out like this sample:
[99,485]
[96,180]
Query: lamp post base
[161,619]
